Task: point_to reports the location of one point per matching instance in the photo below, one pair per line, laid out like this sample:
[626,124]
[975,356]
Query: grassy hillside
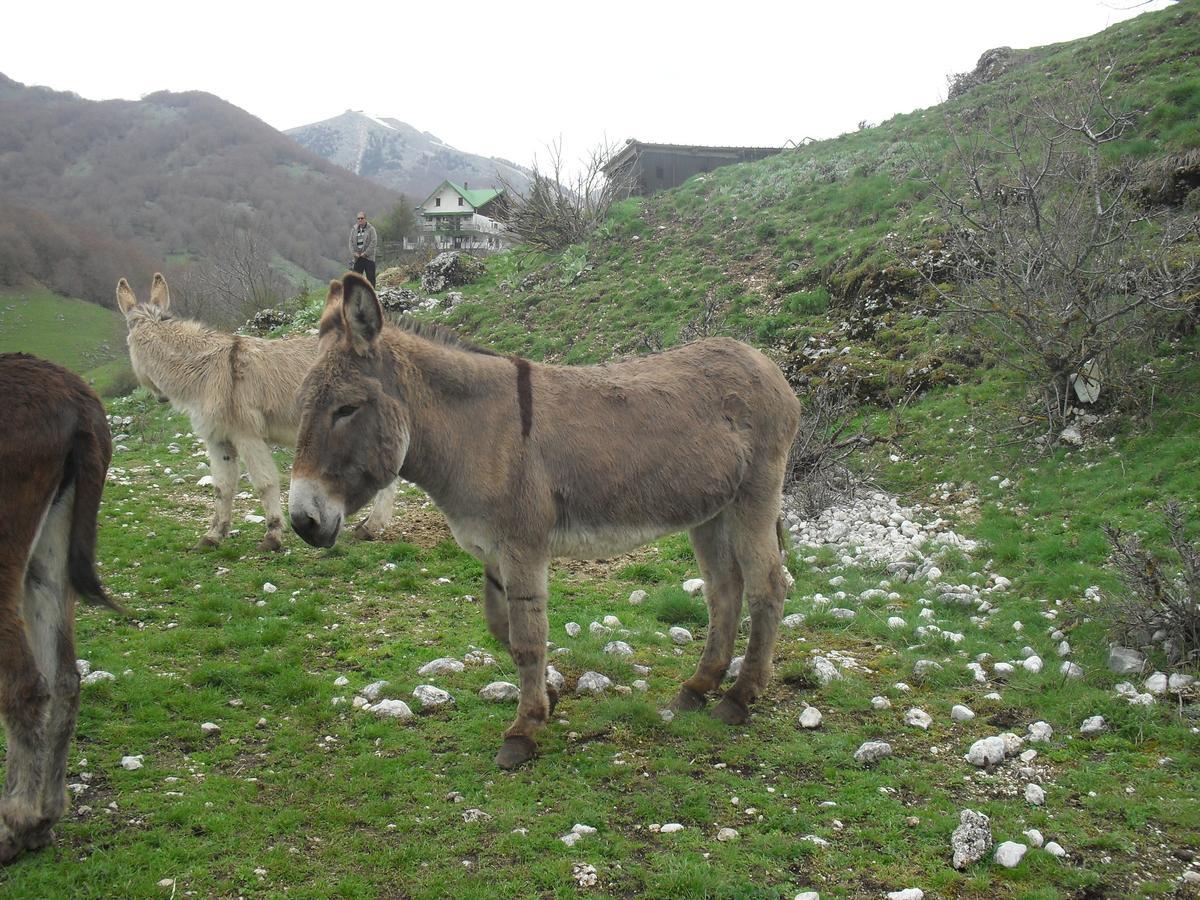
[72,333]
[304,794]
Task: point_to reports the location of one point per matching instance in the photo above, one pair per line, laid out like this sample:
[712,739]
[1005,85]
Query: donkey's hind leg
[264,475]
[223,462]
[756,545]
[723,591]
[526,588]
[49,614]
[372,527]
[495,605]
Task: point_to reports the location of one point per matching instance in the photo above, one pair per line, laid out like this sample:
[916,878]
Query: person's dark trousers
[365,266]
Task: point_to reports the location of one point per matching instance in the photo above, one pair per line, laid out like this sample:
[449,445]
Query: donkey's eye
[344,411]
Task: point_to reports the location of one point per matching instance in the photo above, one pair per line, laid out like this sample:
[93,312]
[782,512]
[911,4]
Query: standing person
[363,243]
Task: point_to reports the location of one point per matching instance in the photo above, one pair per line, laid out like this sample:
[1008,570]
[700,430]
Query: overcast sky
[506,78]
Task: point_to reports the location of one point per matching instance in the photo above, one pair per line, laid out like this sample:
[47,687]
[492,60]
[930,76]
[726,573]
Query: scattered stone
[445,665]
[555,679]
[680,635]
[895,622]
[872,752]
[1055,850]
[1071,670]
[573,629]
[500,692]
[881,703]
[825,670]
[98,676]
[1034,794]
[208,729]
[585,874]
[641,685]
[592,683]
[1033,664]
[844,614]
[612,622]
[735,668]
[374,690]
[475,815]
[83,667]
[1156,684]
[727,834]
[1093,725]
[1124,661]
[810,718]
[971,839]
[808,895]
[960,713]
[693,586]
[618,648]
[431,697]
[391,709]
[1040,733]
[671,827]
[923,667]
[1034,837]
[269,588]
[132,763]
[1009,854]
[986,752]
[1179,682]
[918,718]
[906,894]
[638,597]
[341,681]
[795,620]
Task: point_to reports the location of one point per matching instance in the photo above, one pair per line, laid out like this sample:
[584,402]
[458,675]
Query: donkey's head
[140,313]
[354,429]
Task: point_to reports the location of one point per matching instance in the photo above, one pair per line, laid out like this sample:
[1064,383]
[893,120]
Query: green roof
[477,197]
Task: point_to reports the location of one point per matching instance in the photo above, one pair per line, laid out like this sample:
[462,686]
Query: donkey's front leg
[223,463]
[264,475]
[525,585]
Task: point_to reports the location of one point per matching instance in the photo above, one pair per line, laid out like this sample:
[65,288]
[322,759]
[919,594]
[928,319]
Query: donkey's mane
[439,334]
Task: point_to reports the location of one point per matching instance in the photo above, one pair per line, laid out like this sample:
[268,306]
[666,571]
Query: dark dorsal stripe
[524,393]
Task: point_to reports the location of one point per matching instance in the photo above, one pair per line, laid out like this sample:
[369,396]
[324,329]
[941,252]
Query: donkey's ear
[362,315]
[331,315]
[125,297]
[159,295]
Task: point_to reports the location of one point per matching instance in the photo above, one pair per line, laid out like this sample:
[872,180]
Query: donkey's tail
[87,464]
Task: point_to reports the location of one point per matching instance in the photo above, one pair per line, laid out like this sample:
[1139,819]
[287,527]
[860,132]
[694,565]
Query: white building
[457,217]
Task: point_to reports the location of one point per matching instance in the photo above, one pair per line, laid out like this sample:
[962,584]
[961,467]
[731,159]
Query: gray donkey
[239,392]
[531,462]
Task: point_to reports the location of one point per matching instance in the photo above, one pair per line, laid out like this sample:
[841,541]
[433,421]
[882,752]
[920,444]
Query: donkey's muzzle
[314,517]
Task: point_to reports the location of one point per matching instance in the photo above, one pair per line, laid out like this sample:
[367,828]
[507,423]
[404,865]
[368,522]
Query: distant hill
[398,156]
[166,178]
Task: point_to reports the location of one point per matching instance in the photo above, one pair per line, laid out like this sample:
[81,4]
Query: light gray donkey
[531,462]
[240,393]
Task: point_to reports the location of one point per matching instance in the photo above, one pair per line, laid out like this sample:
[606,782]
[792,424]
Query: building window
[437,202]
[460,201]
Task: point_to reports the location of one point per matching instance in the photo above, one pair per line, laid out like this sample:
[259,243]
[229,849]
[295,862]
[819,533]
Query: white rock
[1093,725]
[971,839]
[1178,682]
[795,620]
[431,697]
[204,481]
[391,709]
[612,622]
[816,840]
[960,713]
[555,679]
[341,681]
[1034,837]
[923,668]
[1070,670]
[843,614]
[208,729]
[618,648]
[573,629]
[98,676]
[872,751]
[638,597]
[895,622]
[727,834]
[1040,733]
[671,827]
[500,692]
[445,665]
[693,586]
[881,703]
[1055,850]
[1156,684]
[906,894]
[987,751]
[269,588]
[83,667]
[1033,664]
[598,629]
[1141,700]
[810,718]
[1002,669]
[1012,743]
[808,895]
[825,670]
[641,685]
[1009,854]
[679,634]
[374,690]
[1064,649]
[592,683]
[918,718]
[132,763]
[735,668]
[1034,794]
[582,830]
[1124,661]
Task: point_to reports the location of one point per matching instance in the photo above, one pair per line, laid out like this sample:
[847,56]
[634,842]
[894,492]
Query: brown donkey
[531,462]
[239,392]
[54,453]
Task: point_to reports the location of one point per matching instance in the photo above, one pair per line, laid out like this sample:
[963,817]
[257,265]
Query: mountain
[169,178]
[396,155]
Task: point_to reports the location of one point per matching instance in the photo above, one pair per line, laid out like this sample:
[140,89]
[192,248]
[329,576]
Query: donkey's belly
[602,542]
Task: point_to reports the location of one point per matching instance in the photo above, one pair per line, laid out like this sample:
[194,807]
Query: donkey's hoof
[206,543]
[363,533]
[731,711]
[516,751]
[688,700]
[270,544]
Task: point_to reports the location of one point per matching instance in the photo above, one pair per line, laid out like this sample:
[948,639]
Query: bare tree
[234,280]
[1053,251]
[559,209]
